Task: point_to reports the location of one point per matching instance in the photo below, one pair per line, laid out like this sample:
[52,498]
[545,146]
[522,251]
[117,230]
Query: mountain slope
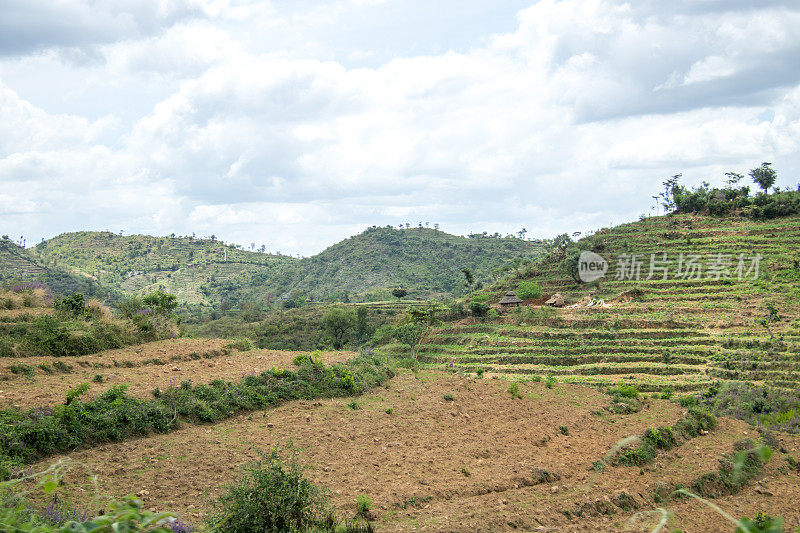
[20,265]
[421,260]
[680,332]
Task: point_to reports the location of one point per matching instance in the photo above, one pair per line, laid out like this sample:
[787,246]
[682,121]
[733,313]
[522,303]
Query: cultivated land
[652,333]
[482,462]
[445,449]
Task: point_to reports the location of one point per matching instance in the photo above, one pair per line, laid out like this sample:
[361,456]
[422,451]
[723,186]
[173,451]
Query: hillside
[20,265]
[421,260]
[678,333]
[367,266]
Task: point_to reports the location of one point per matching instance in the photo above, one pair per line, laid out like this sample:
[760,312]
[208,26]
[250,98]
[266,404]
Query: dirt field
[142,368]
[481,462]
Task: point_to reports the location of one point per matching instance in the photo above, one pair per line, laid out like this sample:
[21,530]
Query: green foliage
[666,438]
[21,368]
[514,391]
[161,302]
[76,393]
[735,471]
[624,391]
[242,345]
[363,505]
[731,200]
[364,267]
[72,306]
[760,523]
[338,323]
[564,430]
[528,290]
[550,381]
[764,176]
[478,308]
[449,397]
[399,293]
[271,495]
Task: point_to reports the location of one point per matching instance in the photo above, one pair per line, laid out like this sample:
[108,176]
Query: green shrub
[20,368]
[6,349]
[243,345]
[529,290]
[448,397]
[478,308]
[624,391]
[564,430]
[363,505]
[270,495]
[513,390]
[72,306]
[550,381]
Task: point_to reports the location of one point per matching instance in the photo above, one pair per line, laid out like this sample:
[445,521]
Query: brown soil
[485,461]
[216,362]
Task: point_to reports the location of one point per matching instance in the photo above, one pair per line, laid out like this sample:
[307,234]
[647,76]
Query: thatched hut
[510,299]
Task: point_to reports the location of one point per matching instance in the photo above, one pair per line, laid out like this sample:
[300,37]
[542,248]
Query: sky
[294,124]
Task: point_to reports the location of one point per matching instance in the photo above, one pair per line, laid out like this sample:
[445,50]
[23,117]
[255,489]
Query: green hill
[196,270]
[683,333]
[423,261]
[18,264]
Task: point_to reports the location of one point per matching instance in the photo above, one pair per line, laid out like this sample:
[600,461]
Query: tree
[424,318]
[409,334]
[399,293]
[469,278]
[161,302]
[764,176]
[560,242]
[337,323]
[668,196]
[572,262]
[362,325]
[733,179]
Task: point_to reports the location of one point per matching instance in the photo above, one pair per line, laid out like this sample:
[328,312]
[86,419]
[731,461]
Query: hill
[680,333]
[367,266]
[18,264]
[423,261]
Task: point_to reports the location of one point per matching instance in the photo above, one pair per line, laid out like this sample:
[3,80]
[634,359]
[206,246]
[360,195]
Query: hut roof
[510,298]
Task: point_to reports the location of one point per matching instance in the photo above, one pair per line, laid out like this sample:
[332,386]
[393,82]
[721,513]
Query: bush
[243,345]
[513,390]
[479,308]
[529,290]
[448,397]
[550,381]
[363,505]
[271,495]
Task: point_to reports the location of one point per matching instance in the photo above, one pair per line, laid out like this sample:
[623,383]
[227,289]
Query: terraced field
[681,333]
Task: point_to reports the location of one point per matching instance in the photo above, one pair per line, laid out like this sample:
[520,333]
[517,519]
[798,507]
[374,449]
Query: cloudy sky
[296,123]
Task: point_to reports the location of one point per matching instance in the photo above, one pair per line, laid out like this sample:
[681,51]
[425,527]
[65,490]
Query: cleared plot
[483,461]
[142,368]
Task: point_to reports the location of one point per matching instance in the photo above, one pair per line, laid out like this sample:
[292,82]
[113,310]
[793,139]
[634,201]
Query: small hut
[510,299]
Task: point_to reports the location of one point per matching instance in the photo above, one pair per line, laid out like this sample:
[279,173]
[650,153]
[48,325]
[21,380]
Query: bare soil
[482,462]
[136,368]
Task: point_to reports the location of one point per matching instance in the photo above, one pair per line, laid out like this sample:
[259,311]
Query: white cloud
[568,122]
